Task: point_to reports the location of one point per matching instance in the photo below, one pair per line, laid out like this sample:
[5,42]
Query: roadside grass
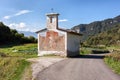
[12,68]
[27,73]
[93,50]
[13,61]
[85,50]
[113,61]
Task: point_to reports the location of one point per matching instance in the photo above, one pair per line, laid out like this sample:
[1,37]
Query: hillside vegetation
[96,27]
[107,38]
[10,36]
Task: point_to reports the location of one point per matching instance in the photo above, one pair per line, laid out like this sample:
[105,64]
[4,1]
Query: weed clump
[2,54]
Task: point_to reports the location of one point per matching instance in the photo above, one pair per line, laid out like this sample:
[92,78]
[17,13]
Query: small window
[51,19]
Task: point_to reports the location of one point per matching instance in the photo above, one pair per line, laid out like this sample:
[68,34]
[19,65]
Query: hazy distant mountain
[97,27]
[28,33]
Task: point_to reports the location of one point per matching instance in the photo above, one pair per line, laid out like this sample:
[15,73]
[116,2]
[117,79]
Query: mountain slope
[96,27]
[110,37]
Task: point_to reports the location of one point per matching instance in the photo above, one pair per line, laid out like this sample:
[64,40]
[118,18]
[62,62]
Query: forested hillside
[8,36]
[97,27]
[110,37]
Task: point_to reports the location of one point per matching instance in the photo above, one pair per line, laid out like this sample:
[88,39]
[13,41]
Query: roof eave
[41,30]
[70,32]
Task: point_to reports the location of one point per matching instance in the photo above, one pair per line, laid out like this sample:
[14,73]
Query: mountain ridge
[28,33]
[96,27]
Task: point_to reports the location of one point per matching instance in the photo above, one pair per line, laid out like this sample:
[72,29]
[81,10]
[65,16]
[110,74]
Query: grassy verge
[13,64]
[27,73]
[12,68]
[113,61]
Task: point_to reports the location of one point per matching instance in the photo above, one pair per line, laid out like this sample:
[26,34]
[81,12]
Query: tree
[8,35]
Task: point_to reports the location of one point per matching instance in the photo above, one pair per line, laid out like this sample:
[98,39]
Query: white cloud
[17,14]
[63,20]
[22,27]
[22,12]
[18,26]
[7,17]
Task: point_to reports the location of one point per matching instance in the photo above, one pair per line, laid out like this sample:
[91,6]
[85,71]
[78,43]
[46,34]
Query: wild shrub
[2,54]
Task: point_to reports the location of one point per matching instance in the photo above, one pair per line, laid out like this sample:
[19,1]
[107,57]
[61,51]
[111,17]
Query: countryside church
[57,41]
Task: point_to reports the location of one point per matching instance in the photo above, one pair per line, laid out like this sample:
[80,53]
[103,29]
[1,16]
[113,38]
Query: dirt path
[90,67]
[38,64]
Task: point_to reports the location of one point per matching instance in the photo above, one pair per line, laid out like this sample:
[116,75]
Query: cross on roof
[52,10]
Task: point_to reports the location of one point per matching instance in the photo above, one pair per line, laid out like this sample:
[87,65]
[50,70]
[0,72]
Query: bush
[2,54]
[115,55]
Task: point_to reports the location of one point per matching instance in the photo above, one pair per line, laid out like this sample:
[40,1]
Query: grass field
[25,50]
[13,60]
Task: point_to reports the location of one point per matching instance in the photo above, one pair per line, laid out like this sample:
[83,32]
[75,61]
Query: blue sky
[29,15]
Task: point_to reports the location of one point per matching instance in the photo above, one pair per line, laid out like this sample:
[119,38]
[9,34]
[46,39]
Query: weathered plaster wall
[73,44]
[51,42]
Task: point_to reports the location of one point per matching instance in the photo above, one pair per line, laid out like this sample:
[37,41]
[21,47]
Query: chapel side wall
[38,43]
[73,45]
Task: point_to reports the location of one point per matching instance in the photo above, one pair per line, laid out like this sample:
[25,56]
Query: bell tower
[52,20]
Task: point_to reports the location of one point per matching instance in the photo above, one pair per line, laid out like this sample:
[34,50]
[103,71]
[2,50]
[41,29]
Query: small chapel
[57,41]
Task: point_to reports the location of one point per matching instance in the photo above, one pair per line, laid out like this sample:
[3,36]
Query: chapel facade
[57,41]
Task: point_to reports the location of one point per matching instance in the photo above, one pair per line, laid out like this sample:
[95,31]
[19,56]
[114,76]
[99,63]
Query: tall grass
[12,60]
[12,68]
[113,60]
